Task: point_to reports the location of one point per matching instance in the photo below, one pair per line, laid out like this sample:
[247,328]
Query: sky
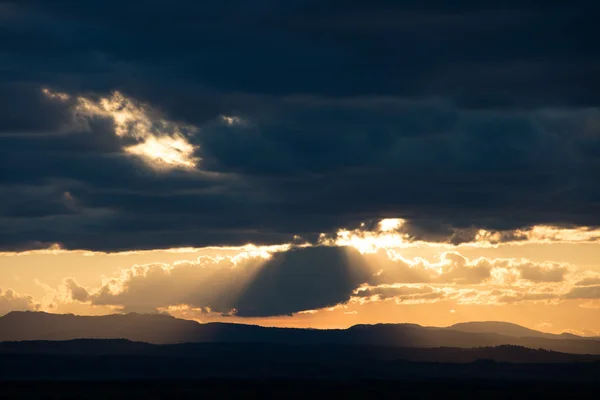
[301,162]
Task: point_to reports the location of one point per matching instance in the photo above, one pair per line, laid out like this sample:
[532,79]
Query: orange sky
[550,285]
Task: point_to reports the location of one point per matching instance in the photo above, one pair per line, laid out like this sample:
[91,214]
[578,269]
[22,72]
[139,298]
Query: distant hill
[273,352]
[164,329]
[506,329]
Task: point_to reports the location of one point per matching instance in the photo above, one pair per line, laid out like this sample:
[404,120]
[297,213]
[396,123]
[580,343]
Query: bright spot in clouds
[390,224]
[231,120]
[162,144]
[368,242]
[165,150]
[546,234]
[396,234]
[55,95]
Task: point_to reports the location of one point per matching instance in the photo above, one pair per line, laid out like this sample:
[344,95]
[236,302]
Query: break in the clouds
[185,123]
[399,233]
[160,143]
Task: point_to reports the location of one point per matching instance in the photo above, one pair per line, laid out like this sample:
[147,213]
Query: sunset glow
[304,164]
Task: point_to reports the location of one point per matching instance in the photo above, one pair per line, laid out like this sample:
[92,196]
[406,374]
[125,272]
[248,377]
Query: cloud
[586,293]
[543,273]
[288,282]
[422,294]
[400,233]
[162,144]
[77,292]
[12,301]
[589,281]
[512,297]
[413,294]
[271,191]
[457,269]
[300,279]
[418,294]
[397,111]
[440,48]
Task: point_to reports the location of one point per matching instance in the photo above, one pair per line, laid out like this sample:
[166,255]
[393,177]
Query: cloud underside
[302,280]
[121,133]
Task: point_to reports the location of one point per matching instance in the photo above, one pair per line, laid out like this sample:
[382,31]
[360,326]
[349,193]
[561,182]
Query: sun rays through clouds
[162,144]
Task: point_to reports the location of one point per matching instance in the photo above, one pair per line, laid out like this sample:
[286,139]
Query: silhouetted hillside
[503,328]
[273,353]
[260,362]
[162,329]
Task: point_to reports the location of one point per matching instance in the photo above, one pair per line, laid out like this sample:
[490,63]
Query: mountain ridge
[505,328]
[461,326]
[166,329]
[124,347]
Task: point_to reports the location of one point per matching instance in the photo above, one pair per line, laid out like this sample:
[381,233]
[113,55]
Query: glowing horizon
[463,279]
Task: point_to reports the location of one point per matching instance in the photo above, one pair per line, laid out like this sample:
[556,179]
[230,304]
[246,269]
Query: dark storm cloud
[464,116]
[477,53]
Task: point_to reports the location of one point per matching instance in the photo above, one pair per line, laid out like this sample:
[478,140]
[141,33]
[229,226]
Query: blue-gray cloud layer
[457,115]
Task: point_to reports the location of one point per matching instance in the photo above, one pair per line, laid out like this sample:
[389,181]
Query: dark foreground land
[49,356]
[297,389]
[121,360]
[254,361]
[97,369]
